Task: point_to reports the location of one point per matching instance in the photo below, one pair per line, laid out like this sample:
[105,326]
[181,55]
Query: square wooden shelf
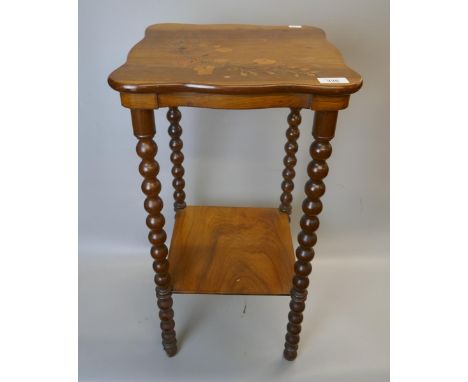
[231,250]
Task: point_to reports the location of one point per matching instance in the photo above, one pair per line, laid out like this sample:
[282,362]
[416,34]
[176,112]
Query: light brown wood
[329,103]
[233,59]
[231,250]
[139,101]
[234,101]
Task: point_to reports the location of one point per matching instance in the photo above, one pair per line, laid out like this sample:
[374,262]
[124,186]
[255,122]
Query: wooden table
[228,250]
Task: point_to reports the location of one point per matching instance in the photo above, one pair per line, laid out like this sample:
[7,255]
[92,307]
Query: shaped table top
[235,59]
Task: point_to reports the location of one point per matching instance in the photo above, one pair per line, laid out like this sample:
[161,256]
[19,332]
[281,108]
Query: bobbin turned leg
[292,134]
[177,157]
[144,129]
[320,151]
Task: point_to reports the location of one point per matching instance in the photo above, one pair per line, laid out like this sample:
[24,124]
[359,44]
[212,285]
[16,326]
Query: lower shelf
[231,250]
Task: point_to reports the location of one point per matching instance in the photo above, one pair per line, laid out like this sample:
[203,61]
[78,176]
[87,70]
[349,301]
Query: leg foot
[290,354]
[166,314]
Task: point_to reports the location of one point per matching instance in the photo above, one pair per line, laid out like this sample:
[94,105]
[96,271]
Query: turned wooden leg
[320,151]
[292,134]
[144,129]
[177,157]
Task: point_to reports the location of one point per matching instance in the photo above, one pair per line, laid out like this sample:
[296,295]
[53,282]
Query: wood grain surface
[233,59]
[231,250]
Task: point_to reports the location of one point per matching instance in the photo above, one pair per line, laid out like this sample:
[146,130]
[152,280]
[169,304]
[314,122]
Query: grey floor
[344,338]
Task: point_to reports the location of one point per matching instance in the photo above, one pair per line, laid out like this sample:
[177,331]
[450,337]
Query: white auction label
[333,80]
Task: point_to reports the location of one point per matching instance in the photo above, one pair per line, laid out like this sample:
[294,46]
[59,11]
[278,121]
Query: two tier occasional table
[231,250]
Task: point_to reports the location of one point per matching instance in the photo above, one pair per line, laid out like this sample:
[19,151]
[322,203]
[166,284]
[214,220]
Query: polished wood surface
[233,59]
[144,129]
[231,250]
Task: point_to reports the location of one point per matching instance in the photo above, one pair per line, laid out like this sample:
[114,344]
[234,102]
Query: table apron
[237,101]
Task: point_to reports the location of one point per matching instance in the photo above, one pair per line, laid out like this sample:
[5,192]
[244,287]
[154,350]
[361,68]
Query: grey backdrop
[233,158]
